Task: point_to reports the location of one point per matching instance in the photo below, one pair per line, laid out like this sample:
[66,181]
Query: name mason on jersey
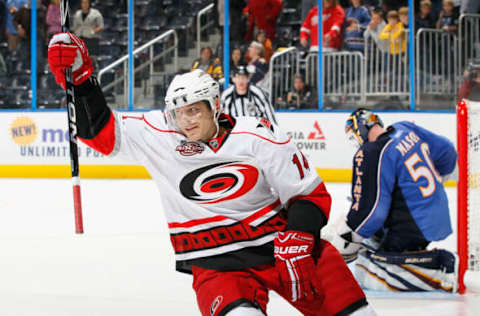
[407,143]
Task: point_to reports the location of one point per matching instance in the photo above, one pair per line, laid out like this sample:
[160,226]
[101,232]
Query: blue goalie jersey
[397,184]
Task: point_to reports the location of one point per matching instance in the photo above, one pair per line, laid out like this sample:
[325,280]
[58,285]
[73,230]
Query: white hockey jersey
[223,196]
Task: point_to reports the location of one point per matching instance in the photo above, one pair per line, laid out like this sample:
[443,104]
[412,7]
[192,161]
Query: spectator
[448,19]
[261,37]
[470,88]
[394,33]
[53,20]
[302,96]
[87,24]
[424,19]
[333,20]
[353,38]
[236,60]
[208,63]
[12,34]
[245,99]
[375,27]
[21,21]
[262,15]
[258,66]
[403,16]
[359,12]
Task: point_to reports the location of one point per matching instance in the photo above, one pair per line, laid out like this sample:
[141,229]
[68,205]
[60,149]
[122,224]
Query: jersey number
[297,162]
[429,173]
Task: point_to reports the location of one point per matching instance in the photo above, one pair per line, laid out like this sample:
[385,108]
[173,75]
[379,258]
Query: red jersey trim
[249,219]
[264,138]
[157,129]
[132,117]
[196,222]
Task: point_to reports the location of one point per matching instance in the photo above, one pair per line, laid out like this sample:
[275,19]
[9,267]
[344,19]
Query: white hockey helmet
[189,88]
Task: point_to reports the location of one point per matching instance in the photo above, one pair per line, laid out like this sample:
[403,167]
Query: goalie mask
[359,123]
[189,88]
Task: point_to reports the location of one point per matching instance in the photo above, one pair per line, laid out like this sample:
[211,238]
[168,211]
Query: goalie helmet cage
[468,194]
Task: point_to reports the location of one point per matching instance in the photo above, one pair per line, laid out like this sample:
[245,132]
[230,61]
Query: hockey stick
[72,129]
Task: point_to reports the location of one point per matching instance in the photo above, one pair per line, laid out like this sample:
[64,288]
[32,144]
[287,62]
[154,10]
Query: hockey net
[468,190]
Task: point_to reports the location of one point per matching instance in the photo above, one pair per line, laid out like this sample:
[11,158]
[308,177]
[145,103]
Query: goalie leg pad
[434,270]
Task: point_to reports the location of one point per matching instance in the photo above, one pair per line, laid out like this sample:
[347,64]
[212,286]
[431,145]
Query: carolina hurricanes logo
[189,149]
[219,182]
[216,302]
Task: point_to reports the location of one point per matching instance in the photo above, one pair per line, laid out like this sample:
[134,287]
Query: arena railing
[282,69]
[387,66]
[437,66]
[200,27]
[469,38]
[148,48]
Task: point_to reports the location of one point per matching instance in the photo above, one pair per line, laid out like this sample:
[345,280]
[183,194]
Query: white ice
[123,264]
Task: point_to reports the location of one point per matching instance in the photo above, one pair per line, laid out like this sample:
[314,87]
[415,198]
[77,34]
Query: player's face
[196,121]
[241,83]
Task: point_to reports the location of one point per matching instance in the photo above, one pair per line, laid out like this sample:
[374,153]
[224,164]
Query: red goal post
[468,194]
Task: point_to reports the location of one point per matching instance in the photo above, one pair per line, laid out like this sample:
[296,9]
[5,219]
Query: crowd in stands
[347,24]
[258,28]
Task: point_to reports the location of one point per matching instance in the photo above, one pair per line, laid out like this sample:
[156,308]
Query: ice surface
[123,264]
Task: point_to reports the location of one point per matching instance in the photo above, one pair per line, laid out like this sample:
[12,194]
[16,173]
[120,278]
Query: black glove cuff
[306,216]
[90,108]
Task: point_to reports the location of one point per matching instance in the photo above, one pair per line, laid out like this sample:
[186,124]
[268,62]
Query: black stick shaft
[72,129]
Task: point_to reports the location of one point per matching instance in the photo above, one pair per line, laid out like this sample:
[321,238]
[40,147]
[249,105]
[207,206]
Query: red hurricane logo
[219,182]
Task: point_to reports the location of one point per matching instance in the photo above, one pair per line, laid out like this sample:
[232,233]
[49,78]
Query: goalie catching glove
[66,50]
[295,264]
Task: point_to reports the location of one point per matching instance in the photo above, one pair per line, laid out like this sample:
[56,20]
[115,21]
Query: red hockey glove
[295,264]
[66,50]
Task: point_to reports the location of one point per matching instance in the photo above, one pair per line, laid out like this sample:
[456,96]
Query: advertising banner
[33,141]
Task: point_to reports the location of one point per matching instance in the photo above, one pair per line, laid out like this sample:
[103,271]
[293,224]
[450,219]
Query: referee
[244,99]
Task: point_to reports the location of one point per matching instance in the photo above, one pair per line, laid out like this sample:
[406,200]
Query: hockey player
[243,207]
[399,205]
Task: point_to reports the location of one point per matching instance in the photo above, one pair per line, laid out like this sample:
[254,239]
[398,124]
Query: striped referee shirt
[253,103]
